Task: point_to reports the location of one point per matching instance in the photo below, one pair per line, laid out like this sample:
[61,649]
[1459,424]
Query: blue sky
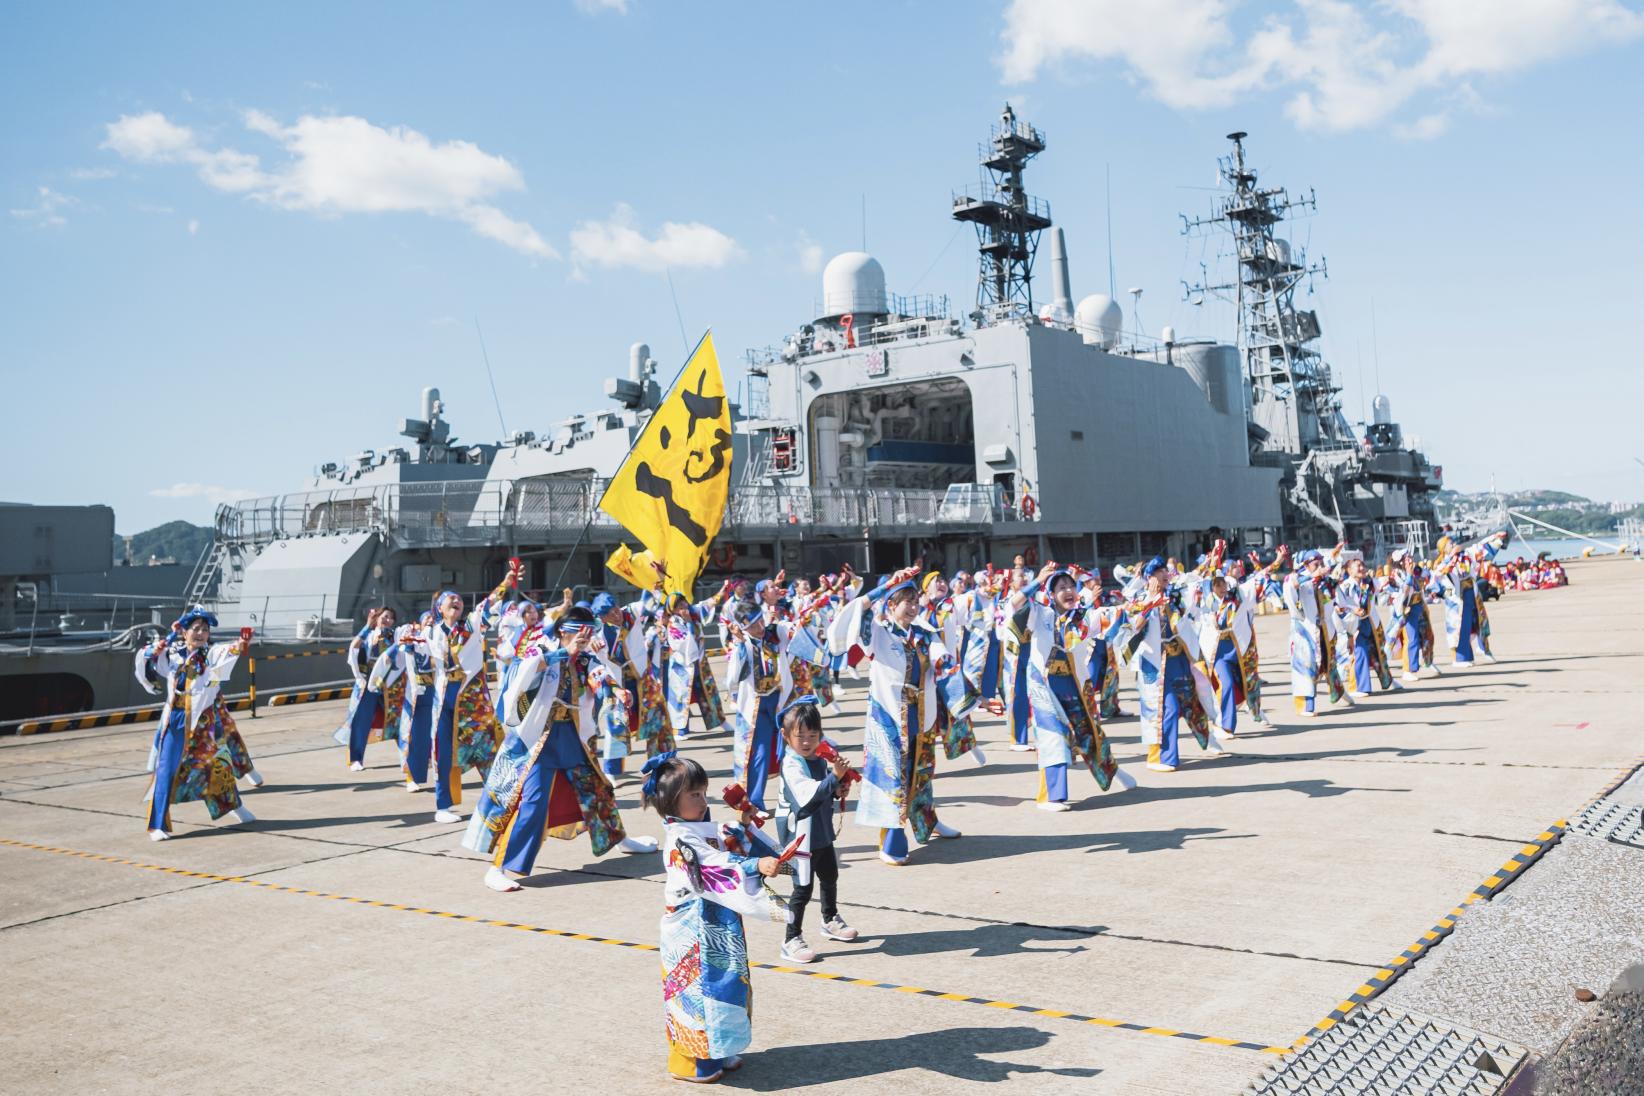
[239,241]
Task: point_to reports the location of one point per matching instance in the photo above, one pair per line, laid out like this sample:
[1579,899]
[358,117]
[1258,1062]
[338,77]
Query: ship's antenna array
[486,356]
[1293,396]
[1008,220]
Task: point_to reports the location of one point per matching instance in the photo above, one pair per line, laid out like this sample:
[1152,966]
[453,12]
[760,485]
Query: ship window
[1078,435]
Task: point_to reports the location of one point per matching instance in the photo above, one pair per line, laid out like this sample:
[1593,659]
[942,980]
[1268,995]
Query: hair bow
[653,769]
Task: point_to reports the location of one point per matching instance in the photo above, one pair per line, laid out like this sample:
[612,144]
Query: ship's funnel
[1061,305]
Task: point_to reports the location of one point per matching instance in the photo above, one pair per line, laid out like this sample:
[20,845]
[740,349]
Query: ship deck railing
[469,512]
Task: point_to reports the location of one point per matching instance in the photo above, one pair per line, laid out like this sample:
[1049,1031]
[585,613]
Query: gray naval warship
[881,430]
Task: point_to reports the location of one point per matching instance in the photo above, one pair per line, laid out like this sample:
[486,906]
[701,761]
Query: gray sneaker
[836,929]
[797,951]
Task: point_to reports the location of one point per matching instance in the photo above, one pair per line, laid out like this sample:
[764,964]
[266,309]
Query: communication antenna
[1008,220]
[1108,172]
[1135,292]
[678,315]
[488,376]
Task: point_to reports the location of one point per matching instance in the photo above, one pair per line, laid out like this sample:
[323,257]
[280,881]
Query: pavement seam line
[823,976]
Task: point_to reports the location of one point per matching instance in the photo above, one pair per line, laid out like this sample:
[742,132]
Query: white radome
[853,282]
[1099,320]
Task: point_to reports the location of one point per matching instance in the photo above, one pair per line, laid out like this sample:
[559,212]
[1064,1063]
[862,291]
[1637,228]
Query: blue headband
[602,604]
[197,613]
[1152,565]
[653,769]
[899,587]
[762,585]
[1308,555]
[808,698]
[439,598]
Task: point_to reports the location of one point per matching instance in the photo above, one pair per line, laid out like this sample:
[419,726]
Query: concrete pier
[1176,939]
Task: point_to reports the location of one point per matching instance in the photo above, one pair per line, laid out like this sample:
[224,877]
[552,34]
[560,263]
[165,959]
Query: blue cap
[1308,555]
[1157,563]
[602,604]
[762,585]
[199,612]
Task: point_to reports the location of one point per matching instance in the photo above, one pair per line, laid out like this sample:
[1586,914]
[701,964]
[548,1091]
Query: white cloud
[595,7]
[211,492]
[193,228]
[618,242]
[342,164]
[1343,65]
[88,174]
[46,211]
[810,253]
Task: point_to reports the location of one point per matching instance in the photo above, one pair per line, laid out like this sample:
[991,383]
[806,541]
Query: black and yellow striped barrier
[1386,976]
[305,654]
[140,715]
[309,696]
[803,972]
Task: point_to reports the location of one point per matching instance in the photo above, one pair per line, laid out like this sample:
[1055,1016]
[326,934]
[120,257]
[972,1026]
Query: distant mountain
[178,540]
[1538,497]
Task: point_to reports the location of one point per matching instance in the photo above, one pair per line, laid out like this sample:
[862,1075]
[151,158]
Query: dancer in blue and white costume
[1162,644]
[409,662]
[1312,630]
[365,703]
[1409,628]
[1225,617]
[1361,648]
[1466,625]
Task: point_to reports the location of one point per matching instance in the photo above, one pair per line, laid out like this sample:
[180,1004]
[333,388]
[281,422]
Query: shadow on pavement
[954,1052]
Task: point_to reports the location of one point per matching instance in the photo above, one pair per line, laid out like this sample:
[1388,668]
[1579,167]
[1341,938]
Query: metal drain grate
[1609,820]
[1384,1052]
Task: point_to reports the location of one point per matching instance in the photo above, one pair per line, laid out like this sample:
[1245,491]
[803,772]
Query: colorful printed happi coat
[1351,595]
[712,882]
[1232,617]
[1149,638]
[625,650]
[459,663]
[1310,640]
[1458,577]
[757,668]
[955,627]
[915,689]
[213,754]
[1104,622]
[1406,603]
[550,686]
[363,654]
[679,659]
[404,675]
[1065,703]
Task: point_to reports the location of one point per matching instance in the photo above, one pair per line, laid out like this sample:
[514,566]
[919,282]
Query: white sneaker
[1056,805]
[1408,676]
[797,951]
[499,880]
[1160,767]
[158,835]
[977,757]
[254,778]
[1263,721]
[893,861]
[1433,671]
[1020,747]
[412,786]
[355,767]
[1358,694]
[1212,752]
[447,816]
[237,816]
[1487,658]
[942,829]
[638,844]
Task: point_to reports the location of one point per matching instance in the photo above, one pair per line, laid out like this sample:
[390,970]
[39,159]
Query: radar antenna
[1008,220]
[1293,396]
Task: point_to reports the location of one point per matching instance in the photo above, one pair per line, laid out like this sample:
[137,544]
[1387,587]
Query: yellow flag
[670,492]
[637,567]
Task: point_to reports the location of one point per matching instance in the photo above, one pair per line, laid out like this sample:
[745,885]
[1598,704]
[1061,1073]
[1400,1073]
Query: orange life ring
[1030,558]
[1029,507]
[724,557]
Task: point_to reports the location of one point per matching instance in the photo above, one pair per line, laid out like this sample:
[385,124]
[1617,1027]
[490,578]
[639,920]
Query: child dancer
[406,671]
[811,791]
[713,879]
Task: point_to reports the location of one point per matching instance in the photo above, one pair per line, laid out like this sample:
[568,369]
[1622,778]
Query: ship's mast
[1008,220]
[1293,397]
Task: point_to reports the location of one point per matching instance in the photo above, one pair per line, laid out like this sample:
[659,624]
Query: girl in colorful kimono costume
[759,675]
[620,637]
[1013,672]
[1311,627]
[1409,628]
[715,877]
[369,719]
[915,690]
[404,675]
[199,754]
[938,614]
[1103,670]
[1225,616]
[1466,625]
[466,730]
[677,657]
[1065,703]
[1162,643]
[545,782]
[518,618]
[1361,645]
